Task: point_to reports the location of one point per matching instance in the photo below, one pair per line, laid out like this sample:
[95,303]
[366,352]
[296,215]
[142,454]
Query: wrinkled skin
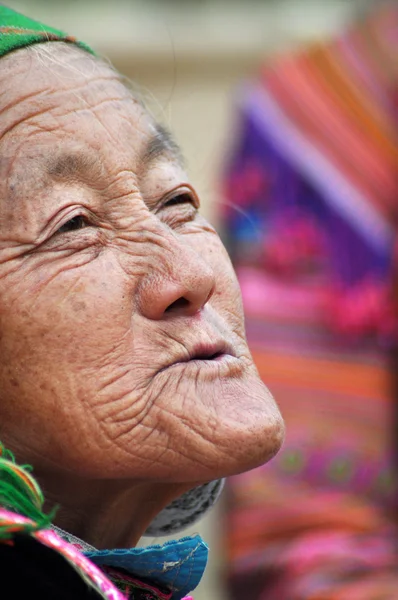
[106,290]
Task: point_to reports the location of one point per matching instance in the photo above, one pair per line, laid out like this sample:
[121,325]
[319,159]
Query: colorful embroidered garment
[175,567]
[172,572]
[13,525]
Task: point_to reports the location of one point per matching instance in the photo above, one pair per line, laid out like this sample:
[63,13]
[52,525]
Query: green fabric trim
[20,493]
[18,31]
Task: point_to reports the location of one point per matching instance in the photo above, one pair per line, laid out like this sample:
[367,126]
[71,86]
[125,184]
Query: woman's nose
[182,287]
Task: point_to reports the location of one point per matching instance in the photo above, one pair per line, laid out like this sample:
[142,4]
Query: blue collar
[176,565]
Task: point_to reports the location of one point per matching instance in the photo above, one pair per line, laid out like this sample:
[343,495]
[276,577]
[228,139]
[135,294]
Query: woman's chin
[230,426]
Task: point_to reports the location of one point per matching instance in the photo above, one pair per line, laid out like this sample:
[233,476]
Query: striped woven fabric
[319,517]
[312,187]
[310,218]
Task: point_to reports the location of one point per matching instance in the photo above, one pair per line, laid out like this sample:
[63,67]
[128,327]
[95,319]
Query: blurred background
[286,111]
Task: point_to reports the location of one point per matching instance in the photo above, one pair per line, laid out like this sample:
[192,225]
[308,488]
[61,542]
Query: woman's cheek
[227,297]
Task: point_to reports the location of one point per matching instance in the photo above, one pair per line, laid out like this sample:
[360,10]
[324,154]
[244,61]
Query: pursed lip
[210,351]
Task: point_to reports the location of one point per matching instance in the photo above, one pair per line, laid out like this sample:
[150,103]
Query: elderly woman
[125,377]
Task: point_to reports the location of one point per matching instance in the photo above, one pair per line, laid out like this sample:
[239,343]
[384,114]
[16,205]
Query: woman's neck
[108,514]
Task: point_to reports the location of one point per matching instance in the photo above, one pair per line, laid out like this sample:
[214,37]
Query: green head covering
[18,31]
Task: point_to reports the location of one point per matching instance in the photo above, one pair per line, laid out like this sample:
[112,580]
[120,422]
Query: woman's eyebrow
[159,145]
[69,165]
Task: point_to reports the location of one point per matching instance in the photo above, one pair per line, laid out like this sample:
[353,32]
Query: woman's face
[122,344]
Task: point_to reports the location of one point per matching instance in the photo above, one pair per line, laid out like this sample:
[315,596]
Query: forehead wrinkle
[54,107]
[14,102]
[21,120]
[47,91]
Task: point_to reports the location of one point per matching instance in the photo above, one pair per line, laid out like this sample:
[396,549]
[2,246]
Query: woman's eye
[78,222]
[182,198]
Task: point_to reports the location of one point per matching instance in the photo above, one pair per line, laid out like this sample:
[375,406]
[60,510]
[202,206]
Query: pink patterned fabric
[52,540]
